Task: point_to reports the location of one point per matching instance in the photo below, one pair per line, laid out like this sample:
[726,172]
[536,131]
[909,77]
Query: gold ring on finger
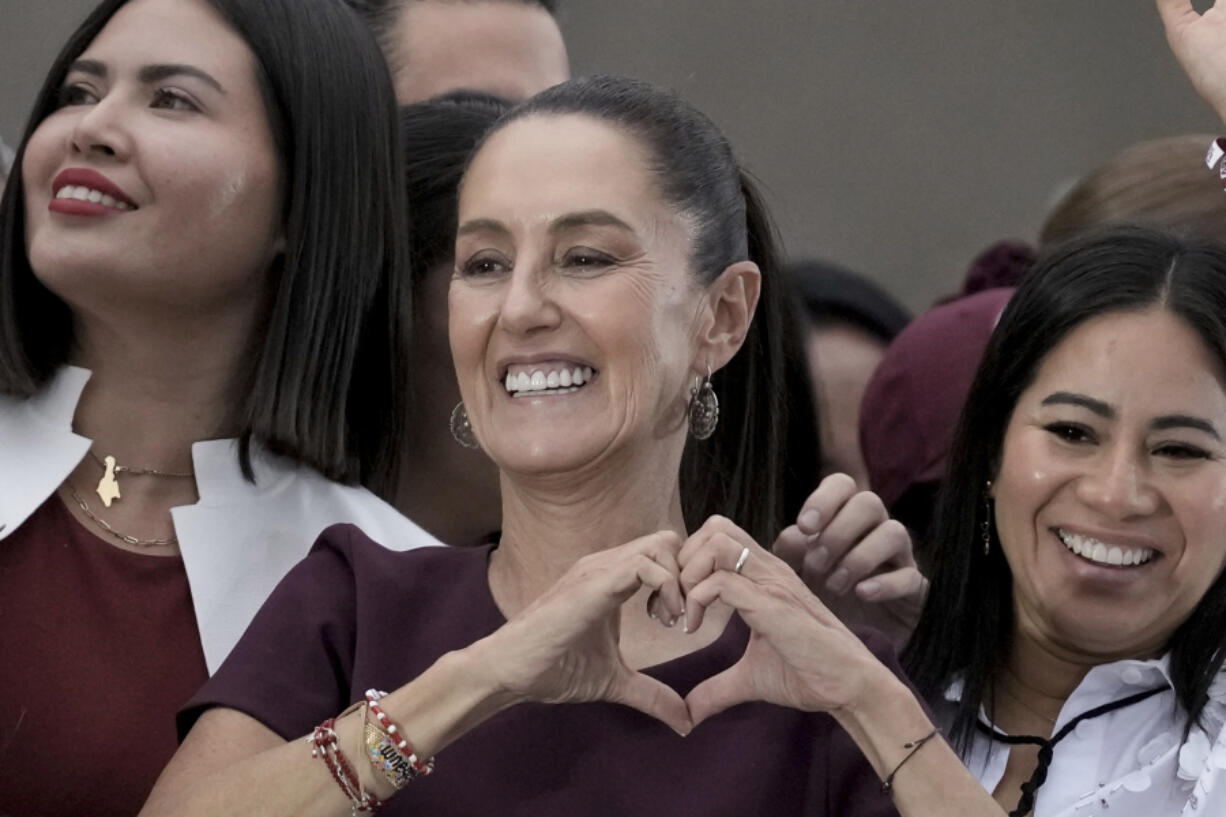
[741,560]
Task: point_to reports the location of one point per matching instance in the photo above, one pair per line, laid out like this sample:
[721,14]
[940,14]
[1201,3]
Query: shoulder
[369,561]
[358,506]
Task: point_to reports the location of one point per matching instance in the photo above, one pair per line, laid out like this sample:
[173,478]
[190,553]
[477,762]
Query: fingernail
[809,520]
[869,589]
[671,622]
[819,558]
[838,581]
[686,628]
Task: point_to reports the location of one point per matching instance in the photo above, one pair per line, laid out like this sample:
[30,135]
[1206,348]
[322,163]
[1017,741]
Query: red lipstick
[81,177]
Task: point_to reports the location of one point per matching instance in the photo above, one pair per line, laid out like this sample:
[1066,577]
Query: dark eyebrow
[1184,421]
[586,218]
[157,73]
[91,67]
[148,74]
[1069,399]
[478,225]
[589,218]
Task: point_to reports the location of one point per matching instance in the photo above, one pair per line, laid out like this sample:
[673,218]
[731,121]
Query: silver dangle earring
[985,528]
[704,408]
[461,429]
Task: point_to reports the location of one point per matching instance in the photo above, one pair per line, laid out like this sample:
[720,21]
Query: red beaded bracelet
[324,745]
[396,734]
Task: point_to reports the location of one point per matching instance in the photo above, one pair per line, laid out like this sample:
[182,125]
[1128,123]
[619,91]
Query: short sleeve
[290,669]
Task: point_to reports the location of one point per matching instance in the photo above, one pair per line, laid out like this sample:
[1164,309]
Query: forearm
[224,770]
[932,782]
[454,696]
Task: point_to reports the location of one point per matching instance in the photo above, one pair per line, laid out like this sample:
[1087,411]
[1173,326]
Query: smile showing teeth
[1099,553]
[545,379]
[80,193]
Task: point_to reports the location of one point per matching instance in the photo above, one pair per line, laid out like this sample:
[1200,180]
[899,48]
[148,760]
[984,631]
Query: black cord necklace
[1047,746]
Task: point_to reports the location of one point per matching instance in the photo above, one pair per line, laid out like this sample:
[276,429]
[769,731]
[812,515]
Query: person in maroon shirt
[189,276]
[610,259]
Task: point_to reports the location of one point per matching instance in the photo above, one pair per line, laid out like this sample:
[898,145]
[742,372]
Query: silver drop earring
[704,408]
[461,429]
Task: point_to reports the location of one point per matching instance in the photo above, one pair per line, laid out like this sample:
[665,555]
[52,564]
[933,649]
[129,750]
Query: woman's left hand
[857,559]
[799,654]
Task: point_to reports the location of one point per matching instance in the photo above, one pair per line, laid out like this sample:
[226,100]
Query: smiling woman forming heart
[613,302]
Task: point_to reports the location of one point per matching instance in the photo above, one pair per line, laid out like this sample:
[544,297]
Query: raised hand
[856,559]
[1199,43]
[799,654]
[564,646]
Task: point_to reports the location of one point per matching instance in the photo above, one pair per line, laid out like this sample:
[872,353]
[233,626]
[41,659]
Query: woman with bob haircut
[201,323]
[1072,641]
[614,276]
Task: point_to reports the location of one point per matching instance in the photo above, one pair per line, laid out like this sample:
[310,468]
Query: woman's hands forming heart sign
[564,647]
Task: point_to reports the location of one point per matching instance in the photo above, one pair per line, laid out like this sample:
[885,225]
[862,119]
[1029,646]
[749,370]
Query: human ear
[731,300]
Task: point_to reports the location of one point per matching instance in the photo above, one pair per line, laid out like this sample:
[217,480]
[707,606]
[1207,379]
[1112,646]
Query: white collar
[219,477]
[56,403]
[1104,682]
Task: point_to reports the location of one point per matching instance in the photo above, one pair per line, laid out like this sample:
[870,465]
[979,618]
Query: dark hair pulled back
[741,471]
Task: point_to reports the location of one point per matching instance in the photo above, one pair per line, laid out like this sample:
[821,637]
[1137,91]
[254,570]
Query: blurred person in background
[507,48]
[912,403]
[451,491]
[851,321]
[1160,183]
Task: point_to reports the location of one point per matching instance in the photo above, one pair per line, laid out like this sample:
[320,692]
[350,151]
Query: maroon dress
[354,615]
[98,650]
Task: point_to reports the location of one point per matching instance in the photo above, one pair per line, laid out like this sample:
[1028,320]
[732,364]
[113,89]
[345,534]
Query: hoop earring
[985,528]
[704,408]
[461,429]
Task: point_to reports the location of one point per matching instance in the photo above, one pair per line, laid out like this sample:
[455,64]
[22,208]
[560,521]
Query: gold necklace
[108,486]
[106,526]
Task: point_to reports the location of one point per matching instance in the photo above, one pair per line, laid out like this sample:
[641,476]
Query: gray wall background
[898,138]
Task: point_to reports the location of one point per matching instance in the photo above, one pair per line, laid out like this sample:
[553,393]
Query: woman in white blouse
[1072,642]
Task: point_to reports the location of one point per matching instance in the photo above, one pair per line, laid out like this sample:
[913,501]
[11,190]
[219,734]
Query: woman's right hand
[1199,43]
[563,648]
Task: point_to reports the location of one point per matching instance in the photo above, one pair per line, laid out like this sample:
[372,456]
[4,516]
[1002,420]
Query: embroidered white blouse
[1132,762]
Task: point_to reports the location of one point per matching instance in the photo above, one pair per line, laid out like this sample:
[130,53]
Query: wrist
[478,665]
[883,717]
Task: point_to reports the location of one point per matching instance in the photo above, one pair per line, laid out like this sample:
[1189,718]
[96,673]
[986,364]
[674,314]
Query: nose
[529,305]
[1117,484]
[101,130]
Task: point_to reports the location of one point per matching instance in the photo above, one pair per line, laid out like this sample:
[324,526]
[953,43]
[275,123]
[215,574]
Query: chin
[551,453]
[1110,634]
